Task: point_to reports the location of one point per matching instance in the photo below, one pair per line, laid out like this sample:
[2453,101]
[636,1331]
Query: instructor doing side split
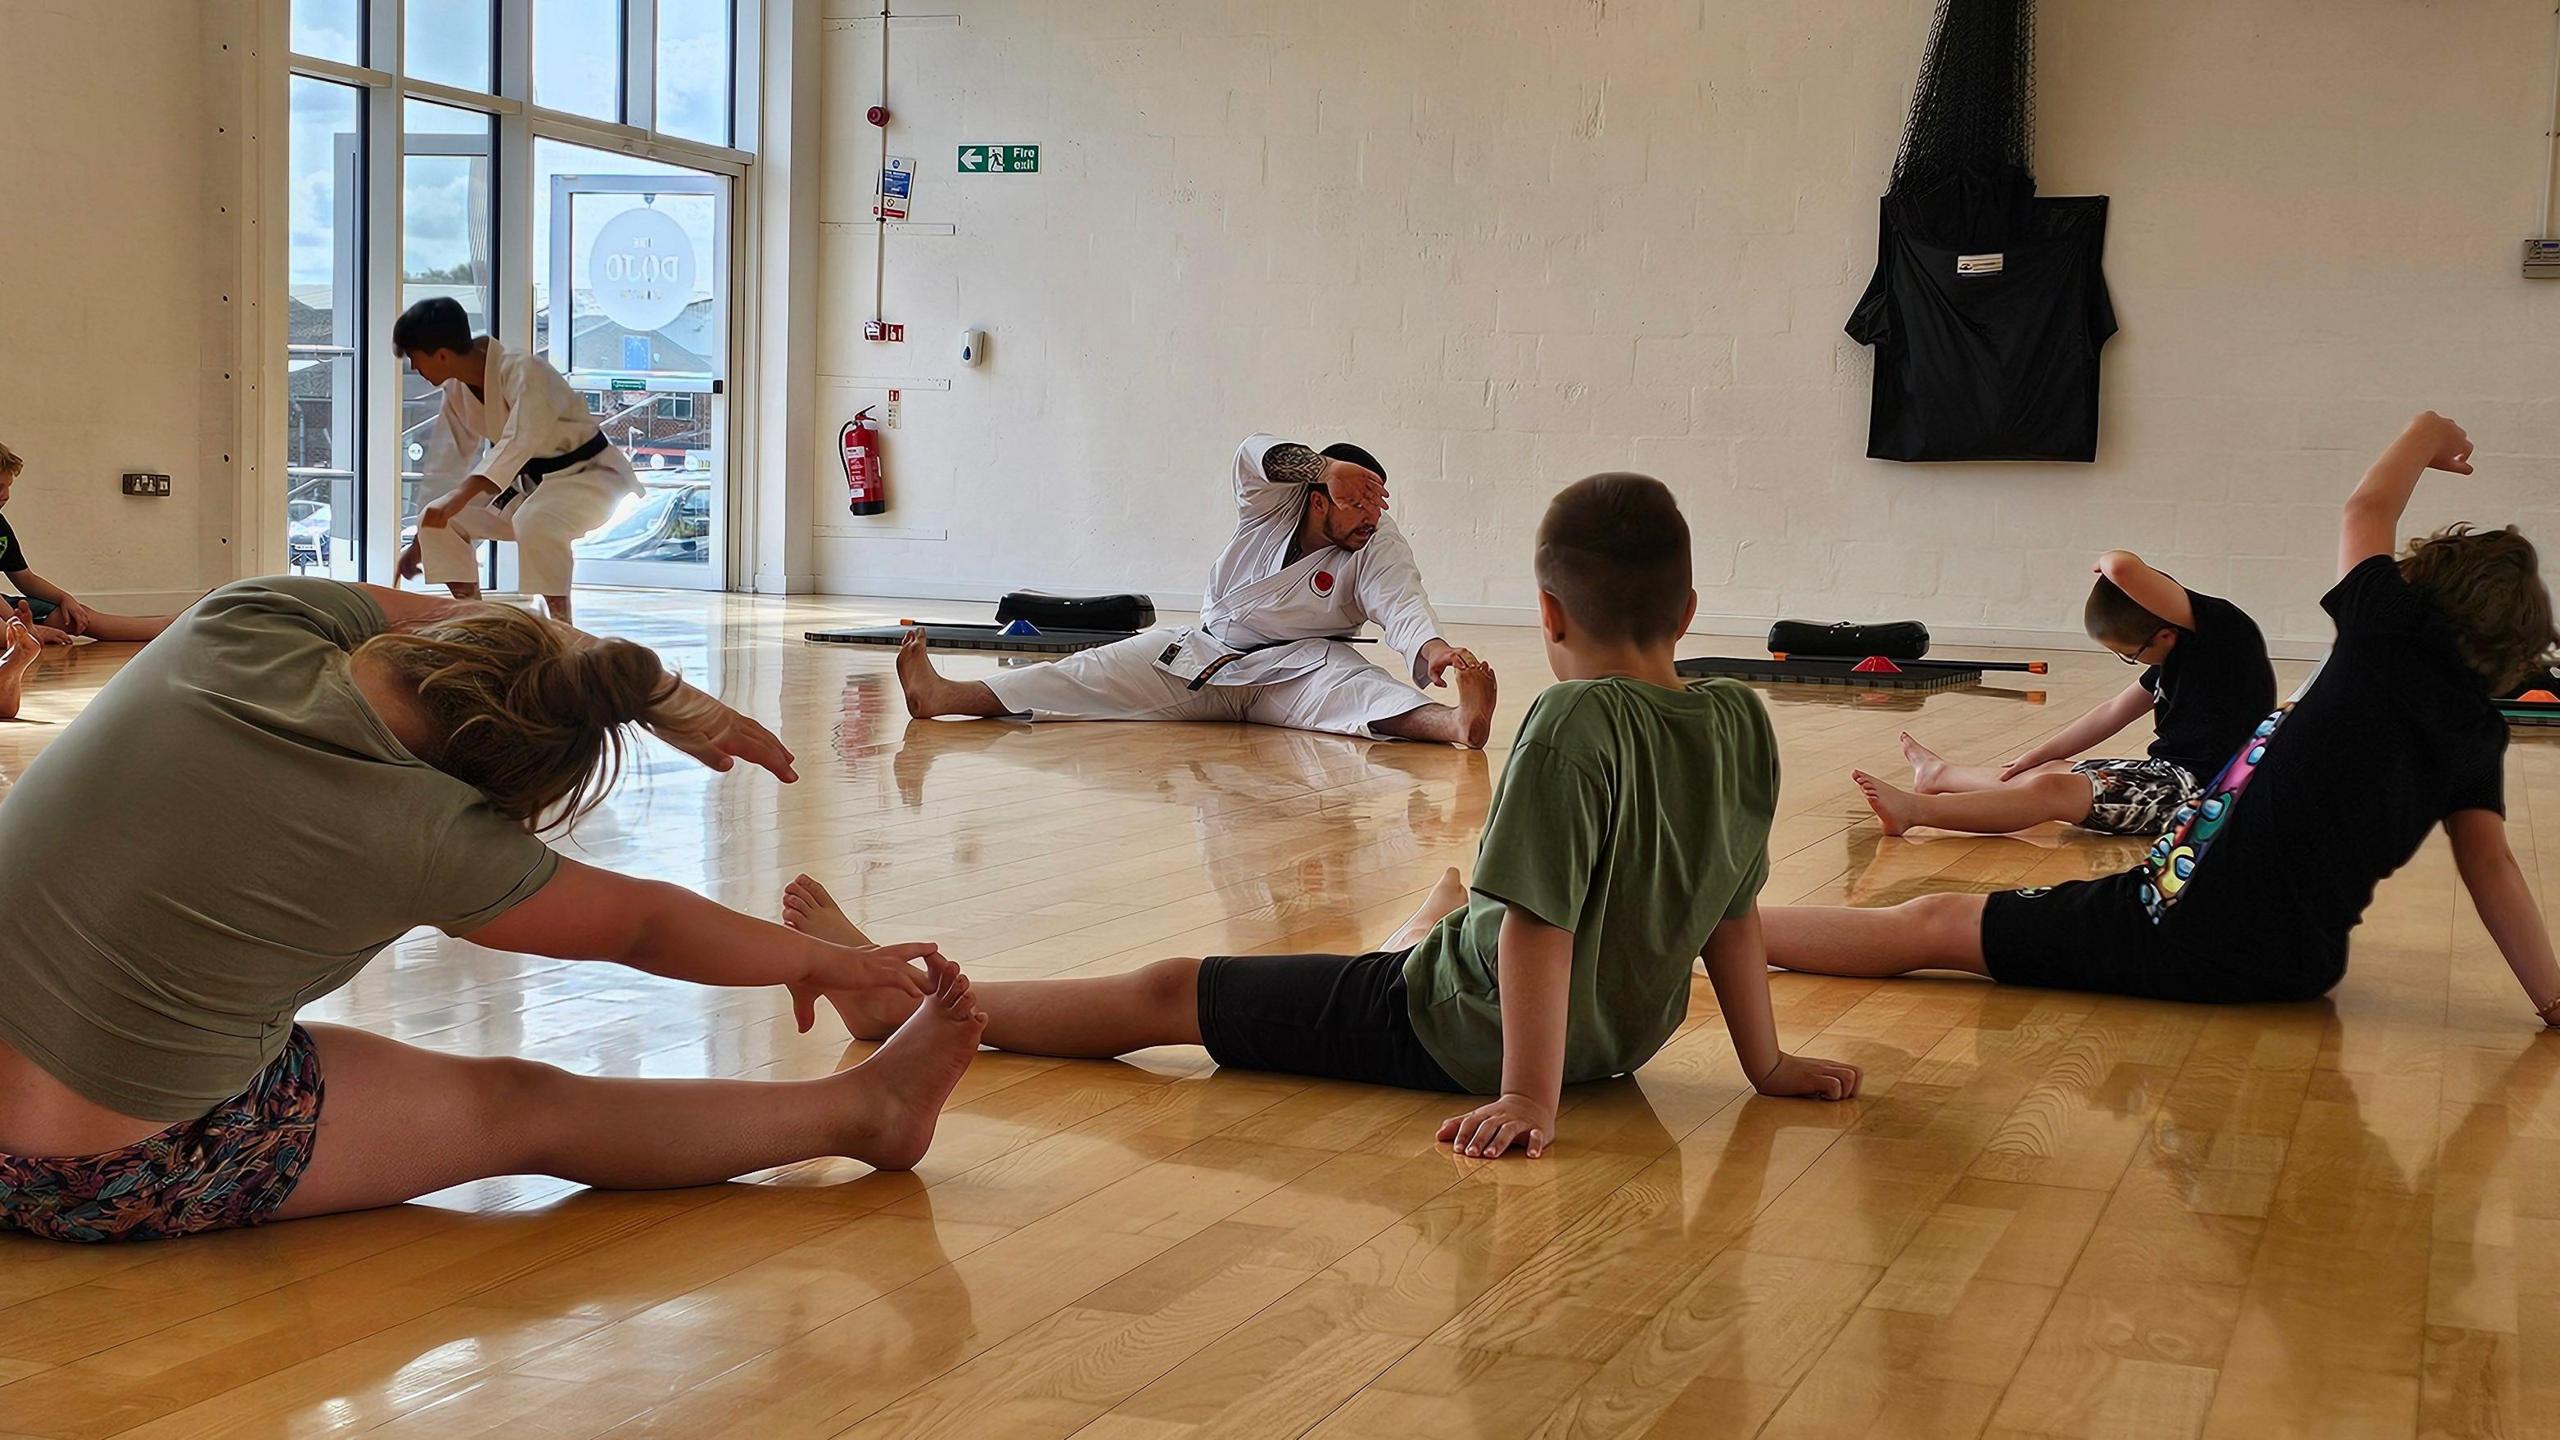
[1315,556]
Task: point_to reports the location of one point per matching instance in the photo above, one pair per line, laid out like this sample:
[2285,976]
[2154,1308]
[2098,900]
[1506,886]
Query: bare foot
[1927,768]
[906,1081]
[1449,894]
[926,691]
[1475,703]
[1892,807]
[24,649]
[809,909]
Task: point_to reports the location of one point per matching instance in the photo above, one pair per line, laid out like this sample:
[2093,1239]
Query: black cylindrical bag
[1892,639]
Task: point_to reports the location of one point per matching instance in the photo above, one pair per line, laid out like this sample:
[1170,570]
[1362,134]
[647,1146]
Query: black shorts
[2095,935]
[1342,1017]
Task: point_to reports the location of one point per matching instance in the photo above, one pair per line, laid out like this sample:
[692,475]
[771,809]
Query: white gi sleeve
[1390,590]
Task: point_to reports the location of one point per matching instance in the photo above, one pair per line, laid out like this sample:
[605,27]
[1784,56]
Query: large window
[577,57]
[694,69]
[451,42]
[429,139]
[324,327]
[447,241]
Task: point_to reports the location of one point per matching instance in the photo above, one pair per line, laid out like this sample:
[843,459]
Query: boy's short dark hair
[2114,618]
[435,323]
[1614,551]
[2488,585]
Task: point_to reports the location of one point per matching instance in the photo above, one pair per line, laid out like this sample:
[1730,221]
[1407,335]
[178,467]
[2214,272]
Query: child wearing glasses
[2206,682]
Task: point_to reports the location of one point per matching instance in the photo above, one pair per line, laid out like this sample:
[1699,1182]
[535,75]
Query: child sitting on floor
[1628,839]
[49,610]
[2251,893]
[2208,682]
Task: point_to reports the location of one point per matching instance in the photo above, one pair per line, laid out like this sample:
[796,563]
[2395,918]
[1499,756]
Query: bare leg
[127,629]
[1081,1019]
[400,1122]
[1091,1019]
[1934,932]
[2031,800]
[16,663]
[929,694]
[1468,723]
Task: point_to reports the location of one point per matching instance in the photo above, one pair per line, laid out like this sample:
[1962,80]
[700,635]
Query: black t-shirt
[2215,685]
[13,556]
[1987,310]
[2278,860]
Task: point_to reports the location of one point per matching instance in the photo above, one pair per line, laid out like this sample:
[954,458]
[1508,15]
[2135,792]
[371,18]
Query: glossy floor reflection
[2049,1215]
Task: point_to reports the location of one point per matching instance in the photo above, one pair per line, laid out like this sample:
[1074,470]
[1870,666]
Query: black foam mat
[974,637]
[1915,674]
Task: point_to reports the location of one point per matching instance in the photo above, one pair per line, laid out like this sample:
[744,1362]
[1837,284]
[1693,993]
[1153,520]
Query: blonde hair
[10,463]
[529,713]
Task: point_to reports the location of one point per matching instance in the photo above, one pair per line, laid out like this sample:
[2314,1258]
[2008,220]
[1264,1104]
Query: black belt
[1223,661]
[530,478]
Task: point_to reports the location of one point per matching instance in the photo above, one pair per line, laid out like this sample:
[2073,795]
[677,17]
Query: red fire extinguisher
[865,481]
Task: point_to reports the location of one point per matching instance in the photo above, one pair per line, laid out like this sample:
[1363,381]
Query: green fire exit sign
[999,159]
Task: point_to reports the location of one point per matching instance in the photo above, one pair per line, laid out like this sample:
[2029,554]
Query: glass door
[633,307]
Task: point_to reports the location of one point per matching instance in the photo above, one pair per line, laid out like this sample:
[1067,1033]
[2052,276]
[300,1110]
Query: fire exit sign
[999,159]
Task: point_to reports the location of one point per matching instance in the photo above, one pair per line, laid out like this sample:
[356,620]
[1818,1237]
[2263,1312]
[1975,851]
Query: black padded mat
[1916,674]
[974,637]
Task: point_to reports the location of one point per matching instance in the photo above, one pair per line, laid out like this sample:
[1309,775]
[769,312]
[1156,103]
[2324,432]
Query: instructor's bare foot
[928,693]
[23,651]
[906,1081]
[1475,702]
[1927,768]
[809,909]
[1448,894]
[1892,807]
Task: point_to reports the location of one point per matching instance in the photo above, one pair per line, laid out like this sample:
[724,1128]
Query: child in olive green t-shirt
[1628,840]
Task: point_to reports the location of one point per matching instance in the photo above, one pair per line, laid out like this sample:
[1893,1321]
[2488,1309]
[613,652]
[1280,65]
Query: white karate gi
[1266,638]
[529,413]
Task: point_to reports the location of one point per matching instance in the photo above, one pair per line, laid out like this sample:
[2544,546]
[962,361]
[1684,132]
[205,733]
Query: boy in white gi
[1315,556]
[549,476]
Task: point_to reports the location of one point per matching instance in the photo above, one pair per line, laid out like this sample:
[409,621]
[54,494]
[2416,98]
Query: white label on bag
[1981,264]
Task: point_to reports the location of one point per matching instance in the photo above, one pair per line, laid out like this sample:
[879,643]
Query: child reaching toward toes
[1628,839]
[2208,681]
[2251,892]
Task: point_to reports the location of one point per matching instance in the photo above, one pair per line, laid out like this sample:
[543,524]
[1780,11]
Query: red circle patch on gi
[1324,582]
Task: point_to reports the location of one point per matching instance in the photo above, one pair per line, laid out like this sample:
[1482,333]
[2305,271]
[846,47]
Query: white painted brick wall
[1503,243]
[111,352]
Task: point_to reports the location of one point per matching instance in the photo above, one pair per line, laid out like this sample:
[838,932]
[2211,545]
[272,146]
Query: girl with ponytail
[307,773]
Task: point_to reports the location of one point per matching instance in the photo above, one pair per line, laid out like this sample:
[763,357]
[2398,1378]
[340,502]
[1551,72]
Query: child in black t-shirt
[2208,682]
[50,612]
[2251,893]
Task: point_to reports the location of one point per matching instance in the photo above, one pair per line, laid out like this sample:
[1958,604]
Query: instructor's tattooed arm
[1289,463]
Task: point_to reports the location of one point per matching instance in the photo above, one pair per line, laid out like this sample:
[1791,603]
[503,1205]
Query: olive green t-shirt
[225,834]
[1637,818]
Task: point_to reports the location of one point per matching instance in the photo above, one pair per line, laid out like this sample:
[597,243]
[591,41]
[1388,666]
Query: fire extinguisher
[866,482]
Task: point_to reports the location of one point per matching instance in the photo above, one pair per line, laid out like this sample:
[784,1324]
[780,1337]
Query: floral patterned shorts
[231,1168]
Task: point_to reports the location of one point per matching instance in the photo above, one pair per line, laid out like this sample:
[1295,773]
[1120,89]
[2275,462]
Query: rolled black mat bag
[1077,612]
[1892,639]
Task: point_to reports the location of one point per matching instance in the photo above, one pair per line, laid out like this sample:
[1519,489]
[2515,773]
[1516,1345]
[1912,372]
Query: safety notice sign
[897,181]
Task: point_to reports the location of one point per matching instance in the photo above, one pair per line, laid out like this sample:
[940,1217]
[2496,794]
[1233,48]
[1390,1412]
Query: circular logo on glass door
[641,269]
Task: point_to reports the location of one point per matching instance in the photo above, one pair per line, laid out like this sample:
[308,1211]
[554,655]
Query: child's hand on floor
[1495,1126]
[1801,1075]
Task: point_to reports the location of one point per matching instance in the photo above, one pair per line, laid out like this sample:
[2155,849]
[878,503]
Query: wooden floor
[2049,1214]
